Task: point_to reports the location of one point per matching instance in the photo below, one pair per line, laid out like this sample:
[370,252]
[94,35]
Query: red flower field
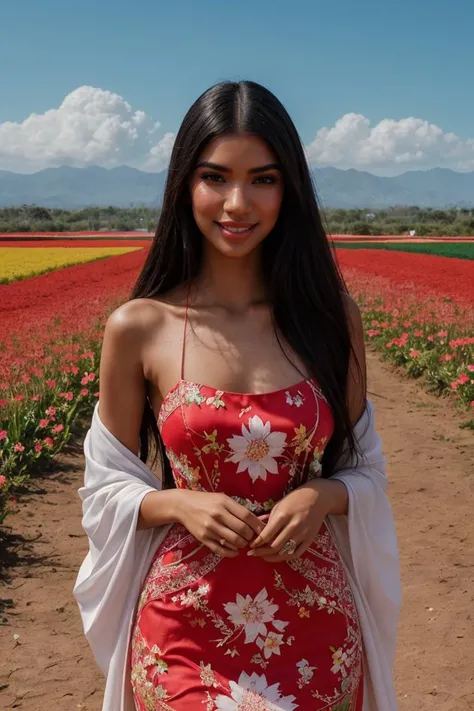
[441,276]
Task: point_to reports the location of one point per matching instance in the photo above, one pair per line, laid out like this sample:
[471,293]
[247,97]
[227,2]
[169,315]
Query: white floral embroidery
[296,400]
[253,614]
[252,693]
[306,672]
[340,661]
[256,449]
[271,645]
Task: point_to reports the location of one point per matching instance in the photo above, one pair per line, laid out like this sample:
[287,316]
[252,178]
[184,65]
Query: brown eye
[212,177]
[267,180]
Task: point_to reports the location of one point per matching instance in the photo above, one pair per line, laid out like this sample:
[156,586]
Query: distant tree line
[391,221]
[33,218]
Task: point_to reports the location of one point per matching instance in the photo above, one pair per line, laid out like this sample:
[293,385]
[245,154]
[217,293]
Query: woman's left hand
[296,519]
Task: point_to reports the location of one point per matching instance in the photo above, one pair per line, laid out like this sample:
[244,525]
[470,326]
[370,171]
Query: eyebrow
[223,169]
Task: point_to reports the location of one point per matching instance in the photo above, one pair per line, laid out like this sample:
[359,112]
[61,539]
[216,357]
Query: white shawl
[111,576]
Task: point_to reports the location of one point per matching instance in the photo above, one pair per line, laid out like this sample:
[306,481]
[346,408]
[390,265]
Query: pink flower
[43,423]
[84,392]
[51,411]
[418,334]
[91,377]
[51,383]
[74,369]
[84,380]
[454,385]
[19,398]
[472,403]
[414,353]
[18,447]
[2,479]
[48,441]
[3,434]
[34,398]
[57,429]
[463,378]
[3,402]
[469,367]
[38,447]
[96,394]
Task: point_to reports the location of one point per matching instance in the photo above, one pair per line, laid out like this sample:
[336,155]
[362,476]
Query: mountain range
[73,188]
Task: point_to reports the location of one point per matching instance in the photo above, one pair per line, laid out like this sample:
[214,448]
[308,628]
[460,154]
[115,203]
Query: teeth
[236,229]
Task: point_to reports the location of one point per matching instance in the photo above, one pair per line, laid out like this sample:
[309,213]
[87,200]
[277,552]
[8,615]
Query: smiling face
[236,191]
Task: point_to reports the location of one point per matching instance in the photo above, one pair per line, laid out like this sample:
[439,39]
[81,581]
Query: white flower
[339,659]
[306,672]
[297,400]
[251,614]
[252,693]
[256,449]
[271,645]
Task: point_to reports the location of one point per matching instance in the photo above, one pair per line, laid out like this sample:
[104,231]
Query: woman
[240,358]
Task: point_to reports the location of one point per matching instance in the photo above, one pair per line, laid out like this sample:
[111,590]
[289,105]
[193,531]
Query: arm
[122,397]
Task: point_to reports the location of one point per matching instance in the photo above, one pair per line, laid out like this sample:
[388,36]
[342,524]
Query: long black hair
[303,280]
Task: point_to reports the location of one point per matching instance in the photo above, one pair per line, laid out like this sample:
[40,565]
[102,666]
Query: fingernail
[251,553]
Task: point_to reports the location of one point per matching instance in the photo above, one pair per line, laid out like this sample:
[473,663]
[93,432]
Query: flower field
[50,334]
[16,263]
[418,311]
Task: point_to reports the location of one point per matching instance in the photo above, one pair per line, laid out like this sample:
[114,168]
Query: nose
[237,201]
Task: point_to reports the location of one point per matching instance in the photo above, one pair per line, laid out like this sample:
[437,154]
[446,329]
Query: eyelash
[270,178]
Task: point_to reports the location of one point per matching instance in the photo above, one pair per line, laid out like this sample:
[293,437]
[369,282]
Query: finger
[274,546]
[271,530]
[223,551]
[277,558]
[225,532]
[248,518]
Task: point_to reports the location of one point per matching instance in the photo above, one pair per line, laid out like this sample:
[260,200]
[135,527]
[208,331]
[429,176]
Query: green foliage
[392,221]
[441,249]
[32,218]
[400,220]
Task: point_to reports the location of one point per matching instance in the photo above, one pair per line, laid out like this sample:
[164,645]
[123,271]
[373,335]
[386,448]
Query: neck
[234,284]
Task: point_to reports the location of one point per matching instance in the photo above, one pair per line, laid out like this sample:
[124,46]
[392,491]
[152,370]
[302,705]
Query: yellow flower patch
[21,262]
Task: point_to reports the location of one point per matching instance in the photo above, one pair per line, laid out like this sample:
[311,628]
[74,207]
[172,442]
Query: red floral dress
[242,633]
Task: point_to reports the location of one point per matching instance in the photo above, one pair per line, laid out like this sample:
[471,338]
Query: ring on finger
[289,547]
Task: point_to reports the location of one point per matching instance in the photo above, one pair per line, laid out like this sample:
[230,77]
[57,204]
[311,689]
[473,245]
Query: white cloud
[90,127]
[97,127]
[390,146]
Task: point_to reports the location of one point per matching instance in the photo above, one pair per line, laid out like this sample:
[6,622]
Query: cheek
[205,201]
[270,203]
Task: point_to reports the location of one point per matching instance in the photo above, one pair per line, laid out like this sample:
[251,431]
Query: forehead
[242,149]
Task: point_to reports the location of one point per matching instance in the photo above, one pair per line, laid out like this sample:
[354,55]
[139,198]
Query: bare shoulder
[122,381]
[132,317]
[357,373]
[353,312]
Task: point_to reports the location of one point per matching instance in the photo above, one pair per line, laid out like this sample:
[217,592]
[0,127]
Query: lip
[243,234]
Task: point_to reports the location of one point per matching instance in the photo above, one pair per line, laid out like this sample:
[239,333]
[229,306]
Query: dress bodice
[252,447]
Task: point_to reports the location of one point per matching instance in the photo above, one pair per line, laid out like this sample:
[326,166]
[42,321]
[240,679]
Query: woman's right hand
[223,525]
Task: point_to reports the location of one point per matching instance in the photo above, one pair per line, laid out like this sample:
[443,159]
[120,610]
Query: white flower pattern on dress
[256,449]
[296,400]
[252,614]
[252,693]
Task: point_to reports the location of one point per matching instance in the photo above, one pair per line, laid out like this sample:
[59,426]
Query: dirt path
[431,460]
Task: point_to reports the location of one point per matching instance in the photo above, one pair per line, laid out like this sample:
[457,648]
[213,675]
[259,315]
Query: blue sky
[324,60]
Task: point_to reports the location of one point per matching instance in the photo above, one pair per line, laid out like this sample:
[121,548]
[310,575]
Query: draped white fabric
[111,576]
